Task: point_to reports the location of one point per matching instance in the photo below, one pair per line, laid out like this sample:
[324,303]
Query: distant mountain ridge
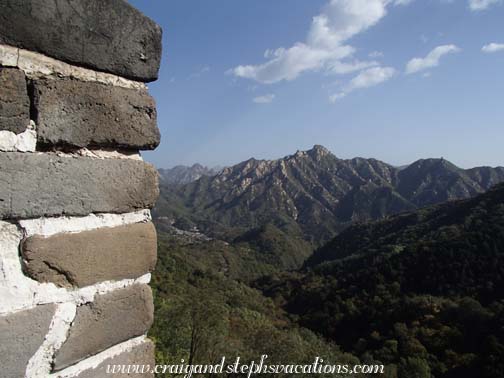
[182,174]
[315,194]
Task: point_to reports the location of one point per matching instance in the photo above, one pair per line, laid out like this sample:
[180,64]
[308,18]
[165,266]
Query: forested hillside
[202,314]
[421,292]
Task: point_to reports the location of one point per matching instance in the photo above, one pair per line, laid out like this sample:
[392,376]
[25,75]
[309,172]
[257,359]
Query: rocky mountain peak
[319,151]
[434,163]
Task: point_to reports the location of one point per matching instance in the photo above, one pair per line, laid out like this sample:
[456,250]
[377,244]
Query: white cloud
[431,60]
[343,68]
[266,99]
[365,79]
[493,47]
[370,78]
[479,5]
[325,46]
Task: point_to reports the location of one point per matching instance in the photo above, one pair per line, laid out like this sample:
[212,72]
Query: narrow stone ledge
[121,40]
[14,101]
[42,185]
[109,320]
[89,257]
[21,334]
[81,114]
[141,355]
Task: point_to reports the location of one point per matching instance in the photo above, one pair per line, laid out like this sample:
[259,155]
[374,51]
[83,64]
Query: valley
[353,260]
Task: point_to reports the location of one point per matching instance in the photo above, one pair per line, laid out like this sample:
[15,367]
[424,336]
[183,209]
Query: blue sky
[396,80]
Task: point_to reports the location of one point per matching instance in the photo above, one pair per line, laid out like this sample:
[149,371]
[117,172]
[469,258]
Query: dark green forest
[423,289]
[202,314]
[420,292]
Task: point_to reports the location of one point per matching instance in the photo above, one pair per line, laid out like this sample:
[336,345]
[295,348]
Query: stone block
[110,36]
[85,258]
[21,334]
[82,114]
[111,319]
[14,101]
[37,185]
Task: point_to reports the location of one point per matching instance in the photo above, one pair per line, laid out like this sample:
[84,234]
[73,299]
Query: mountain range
[313,195]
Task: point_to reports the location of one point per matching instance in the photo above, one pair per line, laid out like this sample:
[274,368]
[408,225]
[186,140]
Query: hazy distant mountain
[315,194]
[182,174]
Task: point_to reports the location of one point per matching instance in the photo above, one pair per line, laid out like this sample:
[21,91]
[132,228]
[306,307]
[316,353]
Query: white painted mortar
[51,226]
[39,365]
[22,142]
[36,65]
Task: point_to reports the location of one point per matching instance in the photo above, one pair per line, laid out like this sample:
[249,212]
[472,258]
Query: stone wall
[77,244]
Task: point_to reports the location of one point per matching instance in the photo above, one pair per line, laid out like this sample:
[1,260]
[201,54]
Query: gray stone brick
[21,334]
[111,319]
[14,101]
[85,258]
[81,114]
[36,185]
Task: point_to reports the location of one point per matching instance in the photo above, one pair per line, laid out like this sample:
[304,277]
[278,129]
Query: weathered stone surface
[141,356]
[111,319]
[78,113]
[36,185]
[14,101]
[21,334]
[109,36]
[85,258]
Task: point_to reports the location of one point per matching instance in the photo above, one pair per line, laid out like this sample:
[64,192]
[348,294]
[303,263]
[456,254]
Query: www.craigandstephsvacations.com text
[248,369]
